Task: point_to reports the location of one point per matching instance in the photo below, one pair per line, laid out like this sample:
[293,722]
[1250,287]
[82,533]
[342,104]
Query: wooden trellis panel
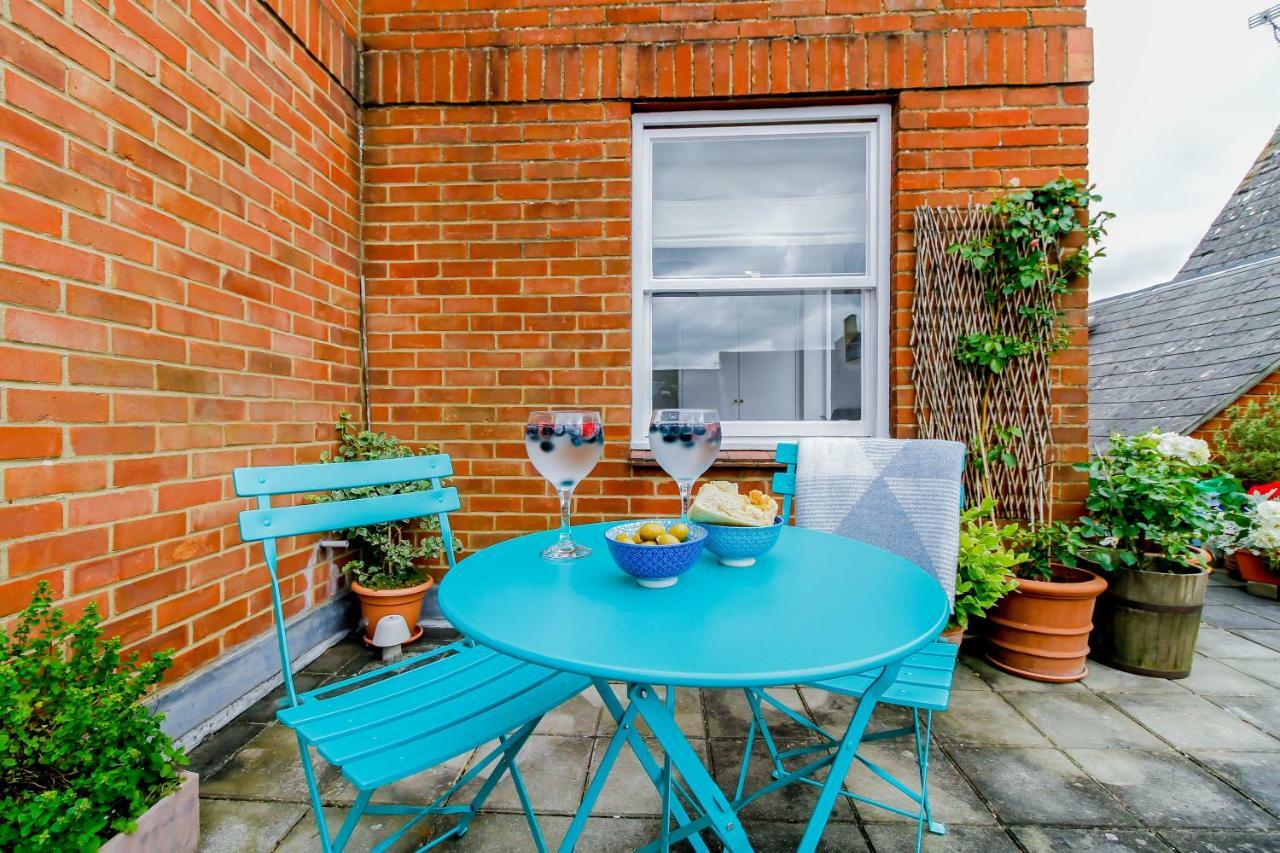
[948,304]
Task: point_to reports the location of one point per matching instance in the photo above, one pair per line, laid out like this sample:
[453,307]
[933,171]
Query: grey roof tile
[1176,354]
[1248,228]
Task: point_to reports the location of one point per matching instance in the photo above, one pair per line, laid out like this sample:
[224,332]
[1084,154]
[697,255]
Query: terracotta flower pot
[1041,630]
[376,603]
[953,635]
[1256,569]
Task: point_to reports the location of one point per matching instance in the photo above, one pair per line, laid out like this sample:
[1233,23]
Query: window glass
[782,205]
[760,356]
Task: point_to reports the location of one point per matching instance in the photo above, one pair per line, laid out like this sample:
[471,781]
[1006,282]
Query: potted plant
[1041,630]
[1253,535]
[1148,519]
[388,571]
[1249,448]
[83,763]
[985,567]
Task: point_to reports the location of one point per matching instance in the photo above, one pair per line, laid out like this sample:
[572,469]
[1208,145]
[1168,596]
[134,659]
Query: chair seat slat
[323,477]
[274,522]
[417,755]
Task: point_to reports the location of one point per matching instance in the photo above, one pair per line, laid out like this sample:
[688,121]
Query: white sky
[1185,97]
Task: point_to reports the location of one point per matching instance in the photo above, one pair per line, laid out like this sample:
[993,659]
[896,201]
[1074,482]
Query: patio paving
[1117,762]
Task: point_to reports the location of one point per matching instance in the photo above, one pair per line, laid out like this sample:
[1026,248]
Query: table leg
[666,780]
[844,758]
[626,733]
[701,786]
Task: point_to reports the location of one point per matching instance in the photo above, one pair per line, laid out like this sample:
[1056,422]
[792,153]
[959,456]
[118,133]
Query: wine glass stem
[686,486]
[566,538]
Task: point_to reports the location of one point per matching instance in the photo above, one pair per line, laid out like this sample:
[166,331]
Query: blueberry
[699,430]
[531,430]
[668,438]
[547,446]
[653,427]
[559,429]
[576,440]
[687,443]
[546,430]
[686,437]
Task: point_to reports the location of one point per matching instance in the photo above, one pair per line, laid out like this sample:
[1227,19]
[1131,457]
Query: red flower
[1271,490]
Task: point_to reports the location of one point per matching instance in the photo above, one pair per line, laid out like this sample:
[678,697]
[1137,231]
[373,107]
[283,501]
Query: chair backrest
[268,523]
[785,484]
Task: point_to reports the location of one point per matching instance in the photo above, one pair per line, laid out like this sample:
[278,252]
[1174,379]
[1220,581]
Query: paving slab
[579,716]
[1083,720]
[1227,594]
[952,800]
[1045,839]
[689,716]
[211,755]
[965,678]
[1261,711]
[729,715]
[891,838]
[779,836]
[792,803]
[1038,786]
[1266,609]
[1105,679]
[1257,774]
[987,719]
[1166,789]
[1263,669]
[264,710]
[628,792]
[834,711]
[234,826]
[496,831]
[369,832]
[1232,617]
[1193,722]
[269,767]
[1205,841]
[1005,682]
[1220,643]
[338,657]
[1209,675]
[1269,638]
[554,769]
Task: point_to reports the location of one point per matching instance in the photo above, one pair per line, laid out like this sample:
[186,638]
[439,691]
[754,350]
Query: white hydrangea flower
[1264,535]
[1192,450]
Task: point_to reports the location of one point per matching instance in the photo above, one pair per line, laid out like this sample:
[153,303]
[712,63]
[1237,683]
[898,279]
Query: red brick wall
[1259,393]
[498,196]
[178,294]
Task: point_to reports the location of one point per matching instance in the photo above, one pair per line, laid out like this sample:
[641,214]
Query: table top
[816,606]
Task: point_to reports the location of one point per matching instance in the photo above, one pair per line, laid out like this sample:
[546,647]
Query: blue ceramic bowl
[739,546]
[654,566]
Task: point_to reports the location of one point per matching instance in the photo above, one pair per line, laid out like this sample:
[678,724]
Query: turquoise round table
[817,606]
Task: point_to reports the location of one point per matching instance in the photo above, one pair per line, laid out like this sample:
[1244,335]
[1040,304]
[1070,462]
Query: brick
[32,406]
[34,554]
[30,442]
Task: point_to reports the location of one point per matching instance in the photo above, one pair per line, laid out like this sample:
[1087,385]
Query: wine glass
[685,443]
[564,447]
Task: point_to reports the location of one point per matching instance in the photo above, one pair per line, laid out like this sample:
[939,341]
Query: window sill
[726,459]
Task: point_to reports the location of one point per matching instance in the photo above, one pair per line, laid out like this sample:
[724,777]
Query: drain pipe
[365,406]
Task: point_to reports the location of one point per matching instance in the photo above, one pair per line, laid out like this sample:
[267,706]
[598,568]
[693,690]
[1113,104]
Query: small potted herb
[985,566]
[1149,516]
[389,572]
[84,765]
[1041,630]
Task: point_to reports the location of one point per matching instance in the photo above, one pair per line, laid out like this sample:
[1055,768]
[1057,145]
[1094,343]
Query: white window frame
[870,119]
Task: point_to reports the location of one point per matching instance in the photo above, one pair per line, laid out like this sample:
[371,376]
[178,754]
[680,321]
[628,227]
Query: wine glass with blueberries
[685,443]
[564,447]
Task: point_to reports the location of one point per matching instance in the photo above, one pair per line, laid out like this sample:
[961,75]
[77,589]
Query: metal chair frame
[926,674]
[458,697]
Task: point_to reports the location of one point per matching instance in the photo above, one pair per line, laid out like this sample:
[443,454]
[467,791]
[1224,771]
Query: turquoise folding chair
[385,725]
[923,685]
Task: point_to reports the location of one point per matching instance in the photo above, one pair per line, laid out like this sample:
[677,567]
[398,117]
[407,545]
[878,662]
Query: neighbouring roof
[1248,228]
[1176,354]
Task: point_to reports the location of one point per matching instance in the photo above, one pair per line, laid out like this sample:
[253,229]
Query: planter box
[170,826]
[1148,622]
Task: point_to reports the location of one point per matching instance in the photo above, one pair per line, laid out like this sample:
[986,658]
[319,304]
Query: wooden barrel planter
[1041,630]
[1148,621]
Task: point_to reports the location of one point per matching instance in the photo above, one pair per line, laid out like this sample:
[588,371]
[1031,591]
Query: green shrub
[1145,500]
[1250,445]
[80,757]
[1049,544]
[986,563]
[388,556]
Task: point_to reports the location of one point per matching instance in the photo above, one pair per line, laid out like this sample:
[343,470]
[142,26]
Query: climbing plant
[1040,241]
